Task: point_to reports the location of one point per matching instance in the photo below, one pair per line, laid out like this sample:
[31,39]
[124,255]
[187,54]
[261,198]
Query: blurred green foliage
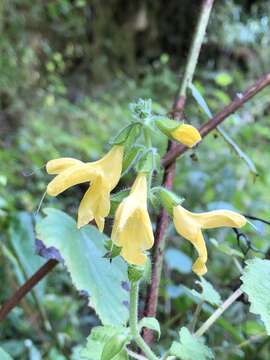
[68,70]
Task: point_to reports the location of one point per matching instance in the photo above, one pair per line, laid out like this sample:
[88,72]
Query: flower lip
[103,175]
[189,225]
[132,229]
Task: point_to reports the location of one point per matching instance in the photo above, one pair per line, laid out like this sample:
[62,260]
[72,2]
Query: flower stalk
[133,322]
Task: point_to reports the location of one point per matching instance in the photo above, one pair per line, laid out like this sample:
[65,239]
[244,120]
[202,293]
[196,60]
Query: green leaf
[256,284]
[97,340]
[4,355]
[150,323]
[223,79]
[190,347]
[239,152]
[131,155]
[114,346]
[200,100]
[130,133]
[226,249]
[82,251]
[22,239]
[208,294]
[147,162]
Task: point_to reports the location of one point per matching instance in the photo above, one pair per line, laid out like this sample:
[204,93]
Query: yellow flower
[103,176]
[132,229]
[184,133]
[190,225]
[187,135]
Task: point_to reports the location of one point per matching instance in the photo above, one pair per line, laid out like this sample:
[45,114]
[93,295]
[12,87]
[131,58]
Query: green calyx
[135,273]
[167,126]
[169,199]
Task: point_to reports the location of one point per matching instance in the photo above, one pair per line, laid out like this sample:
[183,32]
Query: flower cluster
[132,230]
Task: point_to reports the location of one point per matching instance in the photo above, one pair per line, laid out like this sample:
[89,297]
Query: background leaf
[208,294]
[96,341]
[22,240]
[190,347]
[4,355]
[256,284]
[82,251]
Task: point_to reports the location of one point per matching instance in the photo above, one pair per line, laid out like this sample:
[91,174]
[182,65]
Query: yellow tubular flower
[190,225]
[187,135]
[103,176]
[132,229]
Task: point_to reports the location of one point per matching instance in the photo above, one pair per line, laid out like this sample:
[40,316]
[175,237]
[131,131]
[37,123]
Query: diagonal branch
[26,288]
[238,102]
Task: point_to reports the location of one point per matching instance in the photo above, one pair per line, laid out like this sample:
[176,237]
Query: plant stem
[196,46]
[213,318]
[169,170]
[133,322]
[196,316]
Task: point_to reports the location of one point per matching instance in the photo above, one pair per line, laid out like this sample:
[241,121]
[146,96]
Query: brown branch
[169,169]
[26,287]
[239,100]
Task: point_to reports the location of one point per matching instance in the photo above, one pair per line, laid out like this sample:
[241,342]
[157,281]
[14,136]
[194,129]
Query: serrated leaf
[190,347]
[150,323]
[98,338]
[4,355]
[256,284]
[82,251]
[208,294]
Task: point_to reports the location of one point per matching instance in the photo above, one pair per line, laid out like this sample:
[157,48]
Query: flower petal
[56,166]
[95,204]
[186,134]
[220,218]
[111,165]
[77,174]
[132,229]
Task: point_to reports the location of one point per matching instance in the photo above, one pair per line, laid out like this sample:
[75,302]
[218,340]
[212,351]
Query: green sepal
[114,346]
[116,199]
[113,250]
[148,161]
[128,133]
[135,273]
[131,155]
[169,199]
[167,126]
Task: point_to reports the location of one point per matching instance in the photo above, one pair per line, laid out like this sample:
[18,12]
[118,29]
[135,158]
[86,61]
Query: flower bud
[183,133]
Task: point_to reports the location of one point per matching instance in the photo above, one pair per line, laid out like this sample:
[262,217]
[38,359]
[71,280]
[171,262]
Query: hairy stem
[214,317]
[169,171]
[133,322]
